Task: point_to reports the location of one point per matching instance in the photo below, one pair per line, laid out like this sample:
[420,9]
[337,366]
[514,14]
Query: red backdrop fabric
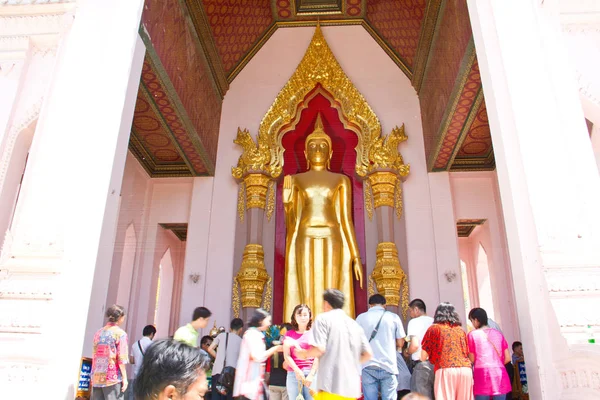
[343,161]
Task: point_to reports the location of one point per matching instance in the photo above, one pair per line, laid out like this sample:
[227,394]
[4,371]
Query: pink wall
[475,196]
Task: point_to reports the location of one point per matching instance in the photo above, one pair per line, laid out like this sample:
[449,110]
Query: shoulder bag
[227,376]
[374,333]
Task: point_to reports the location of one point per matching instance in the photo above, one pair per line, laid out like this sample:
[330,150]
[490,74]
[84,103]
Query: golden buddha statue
[321,248]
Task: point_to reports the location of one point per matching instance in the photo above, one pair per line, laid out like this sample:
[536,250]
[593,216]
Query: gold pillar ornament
[252,276]
[257,186]
[386,171]
[390,279]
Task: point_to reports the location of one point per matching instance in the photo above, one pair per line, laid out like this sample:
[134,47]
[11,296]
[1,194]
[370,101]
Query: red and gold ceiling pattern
[399,24]
[151,132]
[457,118]
[195,58]
[236,26]
[478,140]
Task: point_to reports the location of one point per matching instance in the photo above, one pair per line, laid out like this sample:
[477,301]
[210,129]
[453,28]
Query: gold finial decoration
[319,67]
[214,331]
[236,303]
[390,279]
[384,153]
[255,156]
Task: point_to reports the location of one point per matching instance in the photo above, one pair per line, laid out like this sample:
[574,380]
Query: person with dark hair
[488,351]
[205,342]
[422,377]
[188,333]
[445,346]
[109,357]
[225,349]
[301,373]
[518,360]
[250,371]
[341,346]
[172,370]
[386,337]
[138,349]
[277,372]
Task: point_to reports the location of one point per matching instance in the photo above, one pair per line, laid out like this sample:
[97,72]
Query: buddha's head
[318,148]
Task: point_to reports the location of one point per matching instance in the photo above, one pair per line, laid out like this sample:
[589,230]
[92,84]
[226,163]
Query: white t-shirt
[417,328]
[233,351]
[138,357]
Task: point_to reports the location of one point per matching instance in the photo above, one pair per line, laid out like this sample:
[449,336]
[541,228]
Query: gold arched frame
[303,105]
[318,66]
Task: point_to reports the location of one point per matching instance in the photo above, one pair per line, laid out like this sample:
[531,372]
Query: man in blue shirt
[386,336]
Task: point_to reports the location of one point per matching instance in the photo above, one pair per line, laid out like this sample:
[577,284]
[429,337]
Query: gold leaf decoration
[384,153]
[241,205]
[255,157]
[236,303]
[398,205]
[268,299]
[368,199]
[271,200]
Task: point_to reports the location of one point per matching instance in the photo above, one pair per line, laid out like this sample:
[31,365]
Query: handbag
[227,376]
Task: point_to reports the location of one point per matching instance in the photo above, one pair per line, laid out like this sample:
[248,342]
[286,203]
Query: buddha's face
[318,151]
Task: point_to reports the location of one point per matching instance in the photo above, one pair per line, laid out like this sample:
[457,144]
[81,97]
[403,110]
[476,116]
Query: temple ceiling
[195,48]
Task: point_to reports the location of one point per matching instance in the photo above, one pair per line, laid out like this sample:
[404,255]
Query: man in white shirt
[227,355]
[386,337]
[138,349]
[423,373]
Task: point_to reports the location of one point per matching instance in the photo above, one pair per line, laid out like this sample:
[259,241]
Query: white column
[65,220]
[196,252]
[446,242]
[548,180]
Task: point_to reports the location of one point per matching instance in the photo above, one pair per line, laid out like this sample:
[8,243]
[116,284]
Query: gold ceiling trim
[318,66]
[427,38]
[203,37]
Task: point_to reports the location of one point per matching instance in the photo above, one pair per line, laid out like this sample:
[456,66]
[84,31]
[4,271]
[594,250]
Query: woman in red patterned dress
[445,345]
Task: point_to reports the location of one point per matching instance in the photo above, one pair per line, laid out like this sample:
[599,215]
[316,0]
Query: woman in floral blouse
[445,345]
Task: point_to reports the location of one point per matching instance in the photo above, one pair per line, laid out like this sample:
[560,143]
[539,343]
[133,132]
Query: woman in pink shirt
[301,373]
[488,351]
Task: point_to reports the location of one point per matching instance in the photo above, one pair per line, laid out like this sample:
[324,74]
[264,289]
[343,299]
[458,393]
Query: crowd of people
[330,357]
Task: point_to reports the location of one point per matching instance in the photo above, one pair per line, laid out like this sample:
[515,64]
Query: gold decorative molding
[383,186]
[252,276]
[368,194]
[319,67]
[257,186]
[271,200]
[390,279]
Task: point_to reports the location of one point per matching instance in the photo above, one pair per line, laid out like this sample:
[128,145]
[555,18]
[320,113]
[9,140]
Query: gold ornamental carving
[390,279]
[383,187]
[257,186]
[319,67]
[252,277]
[384,153]
[255,156]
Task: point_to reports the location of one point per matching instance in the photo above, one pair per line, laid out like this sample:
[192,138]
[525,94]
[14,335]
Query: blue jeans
[291,384]
[376,380]
[487,397]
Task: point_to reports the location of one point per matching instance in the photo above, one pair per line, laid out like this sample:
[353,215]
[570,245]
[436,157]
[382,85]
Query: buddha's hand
[287,189]
[357,266]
